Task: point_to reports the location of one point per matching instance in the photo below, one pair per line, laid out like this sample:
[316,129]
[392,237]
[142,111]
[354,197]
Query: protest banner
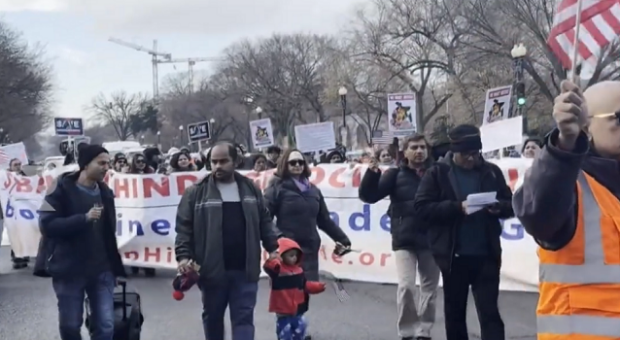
[146,208]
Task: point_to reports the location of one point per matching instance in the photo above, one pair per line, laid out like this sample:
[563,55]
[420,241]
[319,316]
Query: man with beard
[570,204]
[408,237]
[78,248]
[220,224]
[466,245]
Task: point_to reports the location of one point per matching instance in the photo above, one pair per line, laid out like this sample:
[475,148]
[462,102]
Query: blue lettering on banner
[513,231]
[160,227]
[26,214]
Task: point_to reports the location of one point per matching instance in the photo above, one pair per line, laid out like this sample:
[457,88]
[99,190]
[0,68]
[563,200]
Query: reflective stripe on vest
[592,271]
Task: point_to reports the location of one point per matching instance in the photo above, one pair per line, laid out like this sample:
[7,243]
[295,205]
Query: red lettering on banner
[333,178]
[153,256]
[319,175]
[162,187]
[513,177]
[132,255]
[185,181]
[23,185]
[8,182]
[49,180]
[384,258]
[356,178]
[121,187]
[134,187]
[41,185]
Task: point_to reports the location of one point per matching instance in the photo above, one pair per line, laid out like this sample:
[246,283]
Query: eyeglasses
[608,115]
[296,162]
[140,161]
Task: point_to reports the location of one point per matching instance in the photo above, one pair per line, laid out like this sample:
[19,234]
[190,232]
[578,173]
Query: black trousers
[482,274]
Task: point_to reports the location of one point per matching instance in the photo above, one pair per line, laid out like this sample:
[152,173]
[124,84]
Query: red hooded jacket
[289,287]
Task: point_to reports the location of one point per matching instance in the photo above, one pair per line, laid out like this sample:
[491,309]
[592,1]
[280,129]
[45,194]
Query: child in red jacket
[289,290]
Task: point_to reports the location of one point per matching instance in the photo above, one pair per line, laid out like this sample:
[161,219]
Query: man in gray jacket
[220,224]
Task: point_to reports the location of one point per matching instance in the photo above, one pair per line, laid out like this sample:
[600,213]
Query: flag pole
[573,75]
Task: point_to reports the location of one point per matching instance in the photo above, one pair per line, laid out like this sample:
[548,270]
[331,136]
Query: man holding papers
[463,198]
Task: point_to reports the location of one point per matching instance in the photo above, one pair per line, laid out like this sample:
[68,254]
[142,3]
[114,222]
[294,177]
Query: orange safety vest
[580,283]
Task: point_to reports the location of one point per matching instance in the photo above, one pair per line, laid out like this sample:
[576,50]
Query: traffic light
[520,90]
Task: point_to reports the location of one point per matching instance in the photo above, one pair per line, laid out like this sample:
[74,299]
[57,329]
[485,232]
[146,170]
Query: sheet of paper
[482,198]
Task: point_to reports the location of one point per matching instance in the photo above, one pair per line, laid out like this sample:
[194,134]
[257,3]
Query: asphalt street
[28,311]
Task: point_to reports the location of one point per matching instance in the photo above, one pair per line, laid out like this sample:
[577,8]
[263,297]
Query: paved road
[28,311]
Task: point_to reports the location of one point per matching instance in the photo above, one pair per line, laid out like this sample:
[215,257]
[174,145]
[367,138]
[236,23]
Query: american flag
[381,137]
[599,25]
[341,293]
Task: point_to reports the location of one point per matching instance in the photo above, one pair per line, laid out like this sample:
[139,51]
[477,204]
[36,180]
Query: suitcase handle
[123,285]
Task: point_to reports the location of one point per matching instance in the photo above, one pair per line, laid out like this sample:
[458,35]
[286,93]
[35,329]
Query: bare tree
[416,41]
[25,87]
[204,104]
[368,85]
[120,111]
[282,74]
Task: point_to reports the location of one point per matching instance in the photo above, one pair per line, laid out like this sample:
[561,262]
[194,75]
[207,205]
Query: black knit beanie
[89,152]
[465,138]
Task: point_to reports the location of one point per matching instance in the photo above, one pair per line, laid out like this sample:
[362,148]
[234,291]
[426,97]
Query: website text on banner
[146,209]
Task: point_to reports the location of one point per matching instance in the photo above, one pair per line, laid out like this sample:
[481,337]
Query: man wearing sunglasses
[465,244]
[569,203]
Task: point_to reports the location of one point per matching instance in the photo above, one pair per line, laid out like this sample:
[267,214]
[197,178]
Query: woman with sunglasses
[300,208]
[139,166]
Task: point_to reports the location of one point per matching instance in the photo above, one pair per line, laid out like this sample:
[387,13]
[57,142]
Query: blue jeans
[237,293]
[71,295]
[291,327]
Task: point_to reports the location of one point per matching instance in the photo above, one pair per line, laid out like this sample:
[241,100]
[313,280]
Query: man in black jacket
[466,247]
[220,224]
[78,248]
[409,240]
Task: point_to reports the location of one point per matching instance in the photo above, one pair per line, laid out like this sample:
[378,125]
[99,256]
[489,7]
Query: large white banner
[146,208]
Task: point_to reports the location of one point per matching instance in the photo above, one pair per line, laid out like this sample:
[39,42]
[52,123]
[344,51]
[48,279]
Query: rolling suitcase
[128,316]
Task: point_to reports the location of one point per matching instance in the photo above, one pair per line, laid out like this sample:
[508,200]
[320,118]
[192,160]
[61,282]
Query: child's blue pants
[291,327]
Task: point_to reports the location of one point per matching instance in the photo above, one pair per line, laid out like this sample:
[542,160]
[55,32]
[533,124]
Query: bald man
[569,203]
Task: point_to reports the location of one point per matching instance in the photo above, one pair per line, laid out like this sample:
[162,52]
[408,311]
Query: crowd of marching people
[224,221]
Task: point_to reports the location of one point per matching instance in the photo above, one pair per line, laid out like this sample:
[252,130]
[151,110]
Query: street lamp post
[519,53]
[342,92]
[159,139]
[259,112]
[181,134]
[142,140]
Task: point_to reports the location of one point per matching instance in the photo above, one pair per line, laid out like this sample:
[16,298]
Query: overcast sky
[75,34]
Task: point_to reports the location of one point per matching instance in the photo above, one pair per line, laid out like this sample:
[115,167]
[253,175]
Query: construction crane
[155,55]
[190,67]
